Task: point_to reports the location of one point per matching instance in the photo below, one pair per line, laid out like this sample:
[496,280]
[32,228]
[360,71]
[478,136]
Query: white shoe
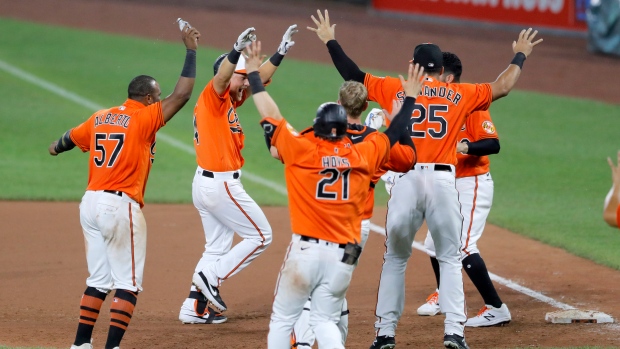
[490,316]
[431,307]
[188,314]
[83,346]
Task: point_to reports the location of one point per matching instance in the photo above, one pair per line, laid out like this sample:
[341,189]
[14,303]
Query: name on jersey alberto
[113,119]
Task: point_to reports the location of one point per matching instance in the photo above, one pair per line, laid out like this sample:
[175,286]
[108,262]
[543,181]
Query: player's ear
[339,101]
[449,78]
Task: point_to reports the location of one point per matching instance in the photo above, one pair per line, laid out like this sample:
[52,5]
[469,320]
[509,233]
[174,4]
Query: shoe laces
[433,298]
[482,311]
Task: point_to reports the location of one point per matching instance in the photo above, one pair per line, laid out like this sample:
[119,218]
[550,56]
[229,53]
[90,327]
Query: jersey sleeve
[152,119]
[476,96]
[383,90]
[81,135]
[288,141]
[376,151]
[480,125]
[618,216]
[402,158]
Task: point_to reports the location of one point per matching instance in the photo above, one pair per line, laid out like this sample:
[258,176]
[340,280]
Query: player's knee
[266,237]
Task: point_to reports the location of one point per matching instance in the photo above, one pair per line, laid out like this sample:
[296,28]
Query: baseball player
[327,180]
[224,206]
[477,139]
[121,141]
[428,190]
[353,97]
[611,211]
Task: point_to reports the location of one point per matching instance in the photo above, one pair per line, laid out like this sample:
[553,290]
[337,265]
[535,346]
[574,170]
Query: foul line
[508,283]
[277,187]
[57,90]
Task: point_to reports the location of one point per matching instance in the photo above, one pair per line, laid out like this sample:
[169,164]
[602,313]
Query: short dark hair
[140,86]
[452,65]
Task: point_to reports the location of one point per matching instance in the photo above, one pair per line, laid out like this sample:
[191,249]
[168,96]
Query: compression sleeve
[346,67]
[483,147]
[64,143]
[398,126]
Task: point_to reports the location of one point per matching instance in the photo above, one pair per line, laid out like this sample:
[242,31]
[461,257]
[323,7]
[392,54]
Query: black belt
[439,167]
[115,192]
[310,239]
[212,175]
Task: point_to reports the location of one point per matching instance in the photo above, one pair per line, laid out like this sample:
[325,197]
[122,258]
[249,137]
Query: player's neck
[355,121]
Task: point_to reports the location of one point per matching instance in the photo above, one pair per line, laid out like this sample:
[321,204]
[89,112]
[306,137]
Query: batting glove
[375,118]
[390,178]
[182,24]
[245,39]
[287,40]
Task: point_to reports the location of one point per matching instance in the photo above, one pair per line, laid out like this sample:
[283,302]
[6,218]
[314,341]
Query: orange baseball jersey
[218,136]
[618,216]
[402,158]
[477,127]
[327,182]
[439,113]
[121,141]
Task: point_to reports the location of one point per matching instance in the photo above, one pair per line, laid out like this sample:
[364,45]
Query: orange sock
[90,305]
[121,312]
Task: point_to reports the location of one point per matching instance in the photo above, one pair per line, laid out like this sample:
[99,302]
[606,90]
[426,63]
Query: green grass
[550,177]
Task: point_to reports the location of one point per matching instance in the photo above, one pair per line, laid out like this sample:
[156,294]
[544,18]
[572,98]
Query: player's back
[328,185]
[439,113]
[121,141]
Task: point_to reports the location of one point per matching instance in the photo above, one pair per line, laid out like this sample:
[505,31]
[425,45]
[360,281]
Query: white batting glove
[245,39]
[287,40]
[390,178]
[182,24]
[375,118]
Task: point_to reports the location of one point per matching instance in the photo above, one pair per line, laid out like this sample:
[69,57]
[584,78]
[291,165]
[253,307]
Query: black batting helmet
[330,116]
[218,62]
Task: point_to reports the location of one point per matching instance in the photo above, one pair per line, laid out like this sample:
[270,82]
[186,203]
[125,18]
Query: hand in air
[245,39]
[254,59]
[287,40]
[524,44]
[324,31]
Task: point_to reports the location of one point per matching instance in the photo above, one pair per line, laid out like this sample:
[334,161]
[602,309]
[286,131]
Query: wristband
[256,84]
[64,143]
[233,56]
[189,68]
[519,59]
[276,59]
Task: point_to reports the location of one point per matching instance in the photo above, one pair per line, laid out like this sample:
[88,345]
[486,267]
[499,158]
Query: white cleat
[490,316]
[431,307]
[188,314]
[83,346]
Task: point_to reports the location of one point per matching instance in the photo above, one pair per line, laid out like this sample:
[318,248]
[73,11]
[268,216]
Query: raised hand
[254,59]
[324,31]
[524,44]
[245,39]
[415,80]
[287,40]
[397,105]
[190,37]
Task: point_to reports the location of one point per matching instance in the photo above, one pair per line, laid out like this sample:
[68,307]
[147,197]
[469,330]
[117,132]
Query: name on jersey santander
[441,92]
[113,119]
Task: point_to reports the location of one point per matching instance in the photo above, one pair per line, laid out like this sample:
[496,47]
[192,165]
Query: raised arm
[268,68]
[227,68]
[264,103]
[412,87]
[183,89]
[326,33]
[613,198]
[508,78]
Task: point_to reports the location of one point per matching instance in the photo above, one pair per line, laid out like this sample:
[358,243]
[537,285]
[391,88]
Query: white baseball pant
[476,198]
[310,269]
[304,334]
[115,240]
[422,193]
[225,209]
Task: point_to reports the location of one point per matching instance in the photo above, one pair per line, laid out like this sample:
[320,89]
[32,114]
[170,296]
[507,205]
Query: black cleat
[384,342]
[454,341]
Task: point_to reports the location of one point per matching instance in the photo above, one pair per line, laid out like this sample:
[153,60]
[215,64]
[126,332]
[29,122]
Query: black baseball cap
[429,56]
